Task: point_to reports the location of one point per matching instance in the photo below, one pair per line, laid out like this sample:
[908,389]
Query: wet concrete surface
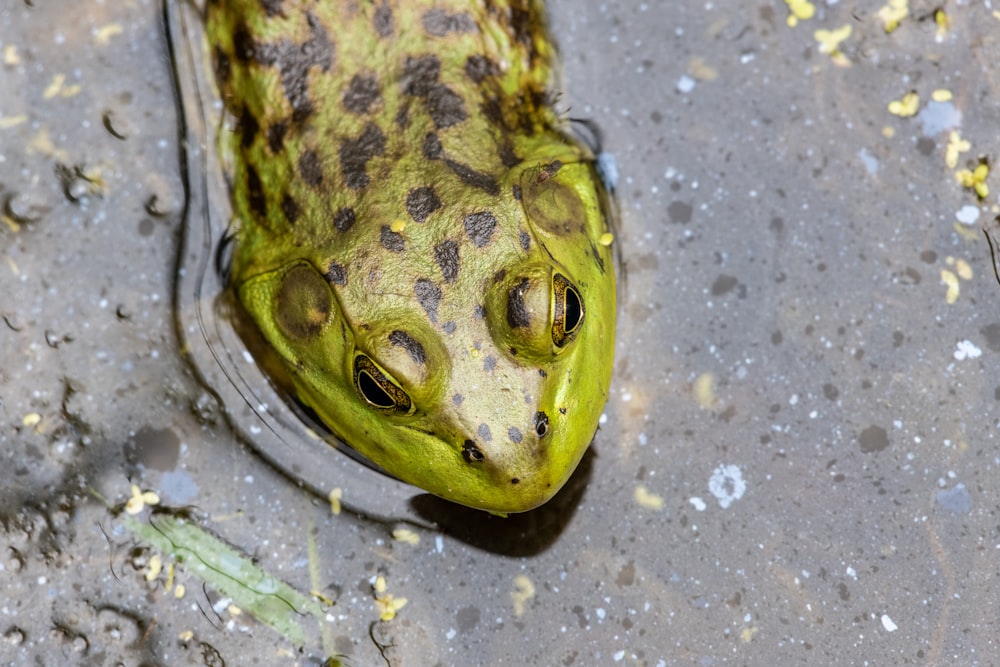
[800,453]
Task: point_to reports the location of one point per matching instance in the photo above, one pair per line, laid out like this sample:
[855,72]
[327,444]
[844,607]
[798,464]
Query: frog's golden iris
[417,236]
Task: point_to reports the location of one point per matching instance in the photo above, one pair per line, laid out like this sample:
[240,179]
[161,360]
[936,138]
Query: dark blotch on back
[438,22]
[410,344]
[383,21]
[479,226]
[515,435]
[361,93]
[271,7]
[276,136]
[343,219]
[420,74]
[484,432]
[432,147]
[293,61]
[445,106]
[336,274]
[525,239]
[355,153]
[470,176]
[420,79]
[517,313]
[255,194]
[248,127]
[290,208]
[428,296]
[446,256]
[478,68]
[223,67]
[391,240]
[310,168]
[244,46]
[421,202]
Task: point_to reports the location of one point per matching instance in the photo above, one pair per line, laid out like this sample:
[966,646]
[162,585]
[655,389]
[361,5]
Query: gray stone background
[800,456]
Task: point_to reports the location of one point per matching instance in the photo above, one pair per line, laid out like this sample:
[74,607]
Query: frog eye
[534,312]
[567,315]
[375,387]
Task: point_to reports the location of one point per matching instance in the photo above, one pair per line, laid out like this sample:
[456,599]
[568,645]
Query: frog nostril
[471,453]
[541,424]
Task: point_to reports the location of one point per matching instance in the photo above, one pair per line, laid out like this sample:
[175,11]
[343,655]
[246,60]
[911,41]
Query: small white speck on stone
[697,503]
[888,624]
[966,349]
[968,214]
[685,84]
[727,484]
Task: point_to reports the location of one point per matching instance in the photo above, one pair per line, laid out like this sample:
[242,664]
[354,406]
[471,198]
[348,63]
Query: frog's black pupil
[574,310]
[373,392]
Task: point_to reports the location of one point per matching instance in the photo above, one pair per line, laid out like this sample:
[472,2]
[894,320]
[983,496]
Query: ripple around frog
[259,412]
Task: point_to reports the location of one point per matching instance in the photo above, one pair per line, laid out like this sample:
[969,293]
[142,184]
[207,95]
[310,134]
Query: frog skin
[418,237]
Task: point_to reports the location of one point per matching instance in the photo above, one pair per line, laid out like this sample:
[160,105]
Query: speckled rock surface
[798,461]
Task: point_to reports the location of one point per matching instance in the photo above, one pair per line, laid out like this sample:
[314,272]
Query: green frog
[417,236]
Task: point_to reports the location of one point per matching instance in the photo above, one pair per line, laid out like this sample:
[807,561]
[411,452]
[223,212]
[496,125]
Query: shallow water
[798,458]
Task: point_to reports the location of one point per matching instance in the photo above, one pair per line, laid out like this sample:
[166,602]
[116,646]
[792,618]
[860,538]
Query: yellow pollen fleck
[888,132]
[386,603]
[943,22]
[57,87]
[186,636]
[956,146]
[53,88]
[607,238]
[140,499]
[905,107]
[12,121]
[335,495]
[892,13]
[829,40]
[704,390]
[975,179]
[941,95]
[406,536]
[801,10]
[104,34]
[963,269]
[31,419]
[950,281]
[398,226]
[524,591]
[10,56]
[154,567]
[701,70]
[644,498]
